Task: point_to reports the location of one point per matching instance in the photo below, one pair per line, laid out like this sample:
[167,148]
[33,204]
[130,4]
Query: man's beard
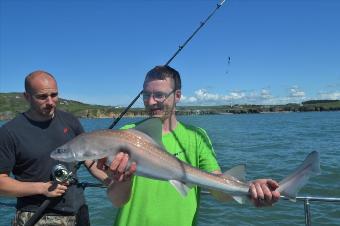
[48,111]
[159,110]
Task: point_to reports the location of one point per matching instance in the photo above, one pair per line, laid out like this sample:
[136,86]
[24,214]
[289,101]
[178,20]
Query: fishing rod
[305,199]
[168,62]
[45,204]
[40,211]
[60,175]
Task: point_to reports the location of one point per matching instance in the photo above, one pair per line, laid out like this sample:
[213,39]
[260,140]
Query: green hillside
[12,104]
[322,105]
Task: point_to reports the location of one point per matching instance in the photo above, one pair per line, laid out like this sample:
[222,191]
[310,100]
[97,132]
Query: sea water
[271,145]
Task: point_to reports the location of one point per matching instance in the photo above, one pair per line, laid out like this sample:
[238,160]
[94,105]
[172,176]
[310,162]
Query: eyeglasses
[157,96]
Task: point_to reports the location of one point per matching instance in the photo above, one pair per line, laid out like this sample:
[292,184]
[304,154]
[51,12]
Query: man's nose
[50,100]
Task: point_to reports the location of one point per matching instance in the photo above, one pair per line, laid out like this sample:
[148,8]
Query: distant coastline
[12,104]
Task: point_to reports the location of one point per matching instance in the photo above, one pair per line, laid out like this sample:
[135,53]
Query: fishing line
[38,214]
[168,62]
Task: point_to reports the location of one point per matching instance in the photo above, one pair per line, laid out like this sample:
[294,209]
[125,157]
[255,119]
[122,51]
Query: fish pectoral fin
[238,172]
[240,199]
[225,197]
[182,188]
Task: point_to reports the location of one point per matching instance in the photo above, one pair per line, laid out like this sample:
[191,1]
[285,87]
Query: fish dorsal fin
[238,172]
[153,128]
[182,188]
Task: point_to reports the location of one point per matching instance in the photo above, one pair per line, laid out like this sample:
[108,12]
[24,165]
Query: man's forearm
[14,188]
[97,173]
[119,192]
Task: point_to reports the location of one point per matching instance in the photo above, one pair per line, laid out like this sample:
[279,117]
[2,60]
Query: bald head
[37,77]
[41,92]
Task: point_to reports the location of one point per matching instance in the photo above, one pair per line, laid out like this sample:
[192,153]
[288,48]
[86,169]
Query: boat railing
[307,202]
[305,199]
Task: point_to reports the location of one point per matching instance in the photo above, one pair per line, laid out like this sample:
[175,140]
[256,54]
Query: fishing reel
[62,175]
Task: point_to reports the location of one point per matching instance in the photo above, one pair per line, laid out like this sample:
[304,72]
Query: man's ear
[178,94]
[27,96]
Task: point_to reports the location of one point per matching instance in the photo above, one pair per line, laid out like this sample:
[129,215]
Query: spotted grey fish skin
[152,160]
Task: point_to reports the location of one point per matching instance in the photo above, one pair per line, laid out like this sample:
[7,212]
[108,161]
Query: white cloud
[330,96]
[263,96]
[237,95]
[203,97]
[296,92]
[188,99]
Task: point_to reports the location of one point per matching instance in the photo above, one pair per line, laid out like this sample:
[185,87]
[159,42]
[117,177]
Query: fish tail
[290,185]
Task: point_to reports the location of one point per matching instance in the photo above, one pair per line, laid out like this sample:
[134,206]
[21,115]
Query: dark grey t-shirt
[25,148]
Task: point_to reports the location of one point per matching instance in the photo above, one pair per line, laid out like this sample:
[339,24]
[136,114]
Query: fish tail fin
[290,185]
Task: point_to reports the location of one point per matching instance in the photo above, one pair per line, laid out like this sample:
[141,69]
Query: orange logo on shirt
[65,130]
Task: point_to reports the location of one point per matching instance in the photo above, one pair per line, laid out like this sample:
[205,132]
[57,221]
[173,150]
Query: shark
[144,146]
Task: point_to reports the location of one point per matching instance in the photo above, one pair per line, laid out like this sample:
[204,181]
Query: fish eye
[87,154]
[60,150]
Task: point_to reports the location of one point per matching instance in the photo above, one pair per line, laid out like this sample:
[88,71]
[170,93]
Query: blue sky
[99,51]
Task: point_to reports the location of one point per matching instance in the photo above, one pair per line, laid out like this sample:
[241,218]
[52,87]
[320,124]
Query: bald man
[25,146]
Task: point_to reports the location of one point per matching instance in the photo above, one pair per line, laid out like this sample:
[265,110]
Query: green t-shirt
[155,202]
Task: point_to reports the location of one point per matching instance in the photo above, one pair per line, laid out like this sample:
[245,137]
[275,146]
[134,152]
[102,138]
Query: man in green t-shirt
[147,202]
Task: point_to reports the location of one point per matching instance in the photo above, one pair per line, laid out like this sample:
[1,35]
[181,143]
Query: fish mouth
[56,153]
[62,154]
